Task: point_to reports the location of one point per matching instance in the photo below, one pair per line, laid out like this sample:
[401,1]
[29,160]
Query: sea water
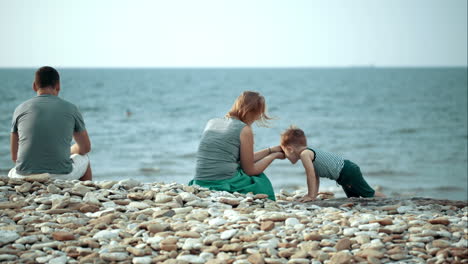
[405,127]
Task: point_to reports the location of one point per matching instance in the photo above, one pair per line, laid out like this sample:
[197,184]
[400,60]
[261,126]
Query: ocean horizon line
[409,67]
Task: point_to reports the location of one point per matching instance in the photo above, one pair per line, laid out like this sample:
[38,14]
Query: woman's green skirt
[241,183]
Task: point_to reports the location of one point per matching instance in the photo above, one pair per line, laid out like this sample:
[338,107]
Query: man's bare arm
[83,144]
[14,139]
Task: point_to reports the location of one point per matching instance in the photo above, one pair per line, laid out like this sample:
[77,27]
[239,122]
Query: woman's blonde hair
[249,102]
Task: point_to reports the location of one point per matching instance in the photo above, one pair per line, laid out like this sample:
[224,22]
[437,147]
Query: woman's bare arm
[248,163]
[265,152]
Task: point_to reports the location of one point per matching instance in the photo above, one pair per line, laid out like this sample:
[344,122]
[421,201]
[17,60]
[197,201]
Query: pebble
[114,256]
[191,259]
[228,234]
[8,236]
[107,234]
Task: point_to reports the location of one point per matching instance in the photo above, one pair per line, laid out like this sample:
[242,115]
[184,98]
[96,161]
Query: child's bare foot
[306,198]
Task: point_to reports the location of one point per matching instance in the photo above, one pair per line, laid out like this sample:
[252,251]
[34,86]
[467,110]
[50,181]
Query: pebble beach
[54,221]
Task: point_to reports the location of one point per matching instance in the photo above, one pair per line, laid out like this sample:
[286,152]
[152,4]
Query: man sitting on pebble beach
[42,130]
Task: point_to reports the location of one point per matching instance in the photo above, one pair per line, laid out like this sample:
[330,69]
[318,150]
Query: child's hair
[249,102]
[293,136]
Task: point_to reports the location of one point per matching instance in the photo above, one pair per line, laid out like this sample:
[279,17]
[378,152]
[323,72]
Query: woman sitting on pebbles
[225,158]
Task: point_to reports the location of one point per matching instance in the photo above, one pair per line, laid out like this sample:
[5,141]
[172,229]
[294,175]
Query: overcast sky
[237,33]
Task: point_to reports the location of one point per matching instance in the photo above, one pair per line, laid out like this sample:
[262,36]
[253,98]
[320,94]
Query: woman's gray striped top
[218,154]
[327,165]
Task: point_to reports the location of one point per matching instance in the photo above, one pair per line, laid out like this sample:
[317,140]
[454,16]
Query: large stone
[164,213]
[114,256]
[107,234]
[138,205]
[23,188]
[292,221]
[156,228]
[256,258]
[341,258]
[439,221]
[343,244]
[383,222]
[267,225]
[228,234]
[313,237]
[87,208]
[8,237]
[58,260]
[43,177]
[368,252]
[80,190]
[129,183]
[236,247]
[229,201]
[141,260]
[440,243]
[191,259]
[163,198]
[63,236]
[188,234]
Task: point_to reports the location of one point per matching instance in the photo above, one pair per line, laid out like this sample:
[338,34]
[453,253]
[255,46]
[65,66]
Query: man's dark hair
[46,77]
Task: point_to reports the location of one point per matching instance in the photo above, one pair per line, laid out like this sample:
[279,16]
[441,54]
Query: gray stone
[8,237]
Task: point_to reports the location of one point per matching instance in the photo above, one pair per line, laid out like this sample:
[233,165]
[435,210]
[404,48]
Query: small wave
[187,155]
[150,170]
[90,109]
[407,131]
[386,173]
[448,188]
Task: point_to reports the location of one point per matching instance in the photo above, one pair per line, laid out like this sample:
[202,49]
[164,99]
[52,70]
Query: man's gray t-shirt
[45,125]
[218,155]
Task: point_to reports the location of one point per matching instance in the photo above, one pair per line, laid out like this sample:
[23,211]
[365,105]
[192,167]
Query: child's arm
[313,181]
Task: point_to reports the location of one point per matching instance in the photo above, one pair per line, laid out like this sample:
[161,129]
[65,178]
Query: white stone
[162,198]
[241,261]
[91,198]
[8,236]
[404,209]
[58,260]
[7,257]
[362,239]
[206,255]
[141,260]
[217,221]
[291,221]
[210,239]
[192,243]
[129,183]
[328,249]
[350,231]
[188,197]
[139,205]
[107,234]
[228,234]
[43,259]
[276,261]
[153,240]
[27,239]
[372,226]
[114,256]
[192,259]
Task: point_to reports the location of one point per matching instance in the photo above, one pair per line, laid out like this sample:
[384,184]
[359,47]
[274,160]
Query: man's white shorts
[79,163]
